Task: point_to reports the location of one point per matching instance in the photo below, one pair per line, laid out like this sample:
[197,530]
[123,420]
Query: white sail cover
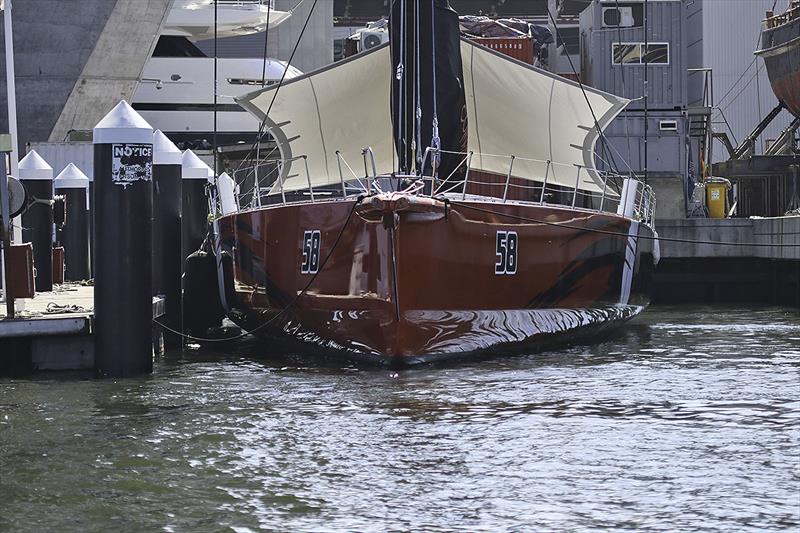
[342,107]
[512,108]
[516,109]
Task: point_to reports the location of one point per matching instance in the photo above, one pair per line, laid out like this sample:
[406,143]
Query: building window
[570,39]
[631,54]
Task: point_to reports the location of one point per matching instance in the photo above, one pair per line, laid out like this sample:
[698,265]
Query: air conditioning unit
[621,17]
[373,38]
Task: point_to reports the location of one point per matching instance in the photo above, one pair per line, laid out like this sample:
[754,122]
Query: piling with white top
[37,222]
[194,209]
[73,184]
[167,259]
[123,213]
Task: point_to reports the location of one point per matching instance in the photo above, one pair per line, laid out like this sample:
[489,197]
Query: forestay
[512,109]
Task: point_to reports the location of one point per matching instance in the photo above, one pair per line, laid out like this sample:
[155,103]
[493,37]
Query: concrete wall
[315,49]
[53,40]
[764,231]
[115,64]
[74,60]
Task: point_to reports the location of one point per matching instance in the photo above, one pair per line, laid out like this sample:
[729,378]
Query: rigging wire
[435,141]
[744,87]
[418,94]
[747,68]
[266,40]
[400,77]
[262,130]
[216,87]
[256,198]
[290,304]
[622,75]
[600,133]
[733,135]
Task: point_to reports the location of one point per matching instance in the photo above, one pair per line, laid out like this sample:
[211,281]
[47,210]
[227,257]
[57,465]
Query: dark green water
[687,420]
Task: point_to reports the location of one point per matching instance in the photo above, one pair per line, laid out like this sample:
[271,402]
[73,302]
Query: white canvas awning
[516,109]
[342,107]
[512,109]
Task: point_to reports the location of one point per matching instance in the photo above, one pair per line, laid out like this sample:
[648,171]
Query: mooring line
[620,234]
[290,304]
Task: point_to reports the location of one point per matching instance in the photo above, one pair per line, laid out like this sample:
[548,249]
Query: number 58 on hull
[403,282]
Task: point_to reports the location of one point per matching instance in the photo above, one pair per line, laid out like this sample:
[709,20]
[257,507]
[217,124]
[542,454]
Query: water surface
[686,420]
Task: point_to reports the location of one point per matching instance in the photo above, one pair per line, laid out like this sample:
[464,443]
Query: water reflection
[686,420]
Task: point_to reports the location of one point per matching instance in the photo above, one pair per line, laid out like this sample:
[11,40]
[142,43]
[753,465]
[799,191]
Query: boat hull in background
[780,49]
[399,285]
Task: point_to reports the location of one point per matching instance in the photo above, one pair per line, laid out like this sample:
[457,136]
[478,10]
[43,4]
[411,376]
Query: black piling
[37,221]
[73,184]
[194,209]
[123,217]
[167,258]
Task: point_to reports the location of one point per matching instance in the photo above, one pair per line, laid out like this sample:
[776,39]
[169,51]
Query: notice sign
[131,162]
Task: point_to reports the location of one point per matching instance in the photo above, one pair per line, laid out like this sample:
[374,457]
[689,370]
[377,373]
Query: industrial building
[701,82]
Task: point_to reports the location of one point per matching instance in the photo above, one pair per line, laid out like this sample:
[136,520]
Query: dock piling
[167,260]
[74,185]
[194,211]
[123,218]
[37,221]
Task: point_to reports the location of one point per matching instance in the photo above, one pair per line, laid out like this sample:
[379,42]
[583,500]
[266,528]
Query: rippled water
[686,420]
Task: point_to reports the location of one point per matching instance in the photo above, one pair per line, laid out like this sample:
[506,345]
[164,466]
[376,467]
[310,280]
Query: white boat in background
[194,19]
[176,93]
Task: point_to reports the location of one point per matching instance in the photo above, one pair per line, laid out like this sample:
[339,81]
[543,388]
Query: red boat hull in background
[399,285]
[780,49]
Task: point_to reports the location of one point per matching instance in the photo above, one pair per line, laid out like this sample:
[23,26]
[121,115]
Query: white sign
[131,162]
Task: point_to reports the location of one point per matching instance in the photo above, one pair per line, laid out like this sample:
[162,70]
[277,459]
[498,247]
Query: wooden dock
[54,332]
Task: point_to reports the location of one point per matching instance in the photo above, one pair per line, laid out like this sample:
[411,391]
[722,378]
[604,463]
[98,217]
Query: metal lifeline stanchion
[194,209]
[167,259]
[74,185]
[37,221]
[123,214]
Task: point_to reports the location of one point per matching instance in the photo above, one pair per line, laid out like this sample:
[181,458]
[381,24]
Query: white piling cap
[164,151]
[194,167]
[71,178]
[33,167]
[123,125]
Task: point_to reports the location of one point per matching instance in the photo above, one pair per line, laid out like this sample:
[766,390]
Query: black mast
[427,73]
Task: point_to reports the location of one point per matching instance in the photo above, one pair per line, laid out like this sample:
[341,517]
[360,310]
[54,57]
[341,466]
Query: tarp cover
[512,108]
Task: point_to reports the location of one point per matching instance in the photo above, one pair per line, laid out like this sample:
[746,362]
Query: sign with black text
[131,162]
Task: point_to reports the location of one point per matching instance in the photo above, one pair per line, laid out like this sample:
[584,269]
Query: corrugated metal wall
[60,154]
[667,83]
[742,91]
[668,89]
